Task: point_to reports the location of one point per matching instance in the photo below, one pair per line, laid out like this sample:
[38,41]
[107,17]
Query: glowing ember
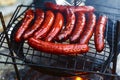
[78,78]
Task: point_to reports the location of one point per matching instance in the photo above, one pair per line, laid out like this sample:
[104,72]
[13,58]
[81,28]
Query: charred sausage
[88,30]
[66,32]
[38,21]
[46,25]
[99,33]
[57,26]
[57,48]
[62,8]
[79,26]
[29,15]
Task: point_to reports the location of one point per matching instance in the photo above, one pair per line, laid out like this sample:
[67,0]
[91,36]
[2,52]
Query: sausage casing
[29,15]
[70,21]
[62,8]
[99,33]
[57,26]
[79,26]
[38,21]
[46,25]
[88,30]
[57,48]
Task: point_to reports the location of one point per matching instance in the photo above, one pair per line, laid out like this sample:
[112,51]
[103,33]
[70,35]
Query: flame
[78,78]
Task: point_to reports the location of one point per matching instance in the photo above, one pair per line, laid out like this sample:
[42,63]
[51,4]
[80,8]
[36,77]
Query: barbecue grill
[92,62]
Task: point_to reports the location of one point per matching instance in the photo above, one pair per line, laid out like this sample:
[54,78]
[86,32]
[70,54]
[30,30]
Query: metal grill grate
[91,62]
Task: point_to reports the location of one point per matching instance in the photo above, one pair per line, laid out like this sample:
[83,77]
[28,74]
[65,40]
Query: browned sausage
[66,32]
[62,8]
[57,26]
[99,33]
[38,21]
[79,26]
[57,48]
[89,29]
[46,25]
[29,15]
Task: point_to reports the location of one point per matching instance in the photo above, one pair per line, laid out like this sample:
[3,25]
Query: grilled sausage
[29,15]
[57,26]
[64,34]
[62,8]
[38,21]
[46,25]
[57,48]
[79,26]
[99,33]
[88,30]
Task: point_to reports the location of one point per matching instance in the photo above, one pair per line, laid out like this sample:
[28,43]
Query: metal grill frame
[64,71]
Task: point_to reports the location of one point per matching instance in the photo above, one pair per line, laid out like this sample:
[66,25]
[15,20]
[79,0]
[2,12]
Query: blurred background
[7,7]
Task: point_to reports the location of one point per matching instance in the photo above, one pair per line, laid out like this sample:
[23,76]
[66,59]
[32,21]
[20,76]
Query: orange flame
[78,78]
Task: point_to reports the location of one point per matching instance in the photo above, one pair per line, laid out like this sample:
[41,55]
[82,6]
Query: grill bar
[9,45]
[83,64]
[116,47]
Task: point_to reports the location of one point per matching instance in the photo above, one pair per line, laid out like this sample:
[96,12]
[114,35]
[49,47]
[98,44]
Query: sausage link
[66,32]
[62,8]
[89,29]
[38,21]
[57,26]
[29,15]
[79,26]
[57,48]
[99,33]
[46,25]
[84,9]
